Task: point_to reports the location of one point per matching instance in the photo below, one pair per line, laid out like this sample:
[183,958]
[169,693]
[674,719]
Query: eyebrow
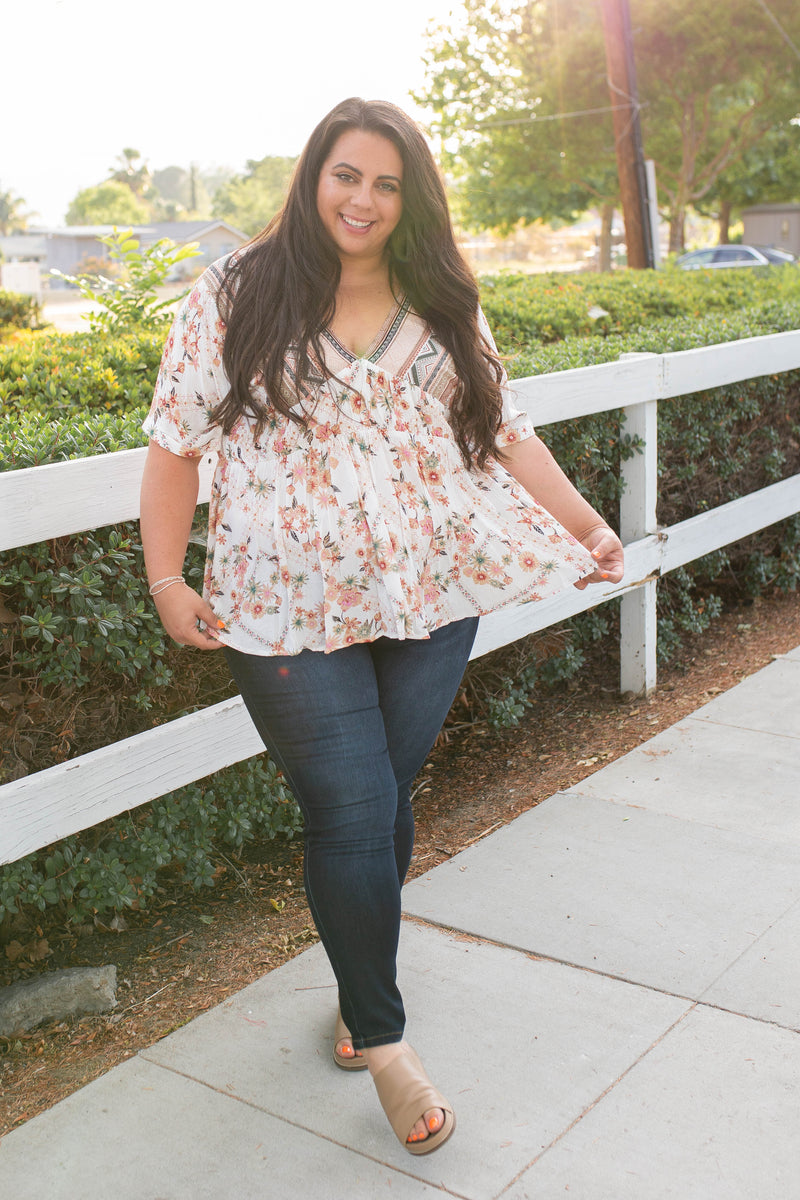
[356,171]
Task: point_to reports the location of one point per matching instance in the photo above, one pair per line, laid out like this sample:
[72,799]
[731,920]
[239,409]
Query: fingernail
[604,574]
[220,624]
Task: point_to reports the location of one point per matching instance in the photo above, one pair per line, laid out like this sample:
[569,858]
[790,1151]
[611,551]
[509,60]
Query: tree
[133,171]
[249,201]
[714,78]
[180,194]
[109,203]
[12,217]
[768,173]
[497,83]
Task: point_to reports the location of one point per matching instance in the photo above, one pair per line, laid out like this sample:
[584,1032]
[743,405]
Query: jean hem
[380,1039]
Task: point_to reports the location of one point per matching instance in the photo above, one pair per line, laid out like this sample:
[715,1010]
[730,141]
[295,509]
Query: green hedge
[523,309]
[59,374]
[19,312]
[116,865]
[87,654]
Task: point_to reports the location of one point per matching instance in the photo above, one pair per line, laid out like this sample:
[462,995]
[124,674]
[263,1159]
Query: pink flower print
[351,634]
[349,597]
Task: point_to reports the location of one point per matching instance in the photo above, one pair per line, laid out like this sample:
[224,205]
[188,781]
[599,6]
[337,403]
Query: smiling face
[359,196]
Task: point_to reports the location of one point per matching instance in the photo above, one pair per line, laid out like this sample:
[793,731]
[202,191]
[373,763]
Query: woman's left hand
[607,551]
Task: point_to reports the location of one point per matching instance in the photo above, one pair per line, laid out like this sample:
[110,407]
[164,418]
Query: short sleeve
[191,381]
[515,425]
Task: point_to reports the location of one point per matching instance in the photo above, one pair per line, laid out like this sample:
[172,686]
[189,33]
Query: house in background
[773,225]
[75,248]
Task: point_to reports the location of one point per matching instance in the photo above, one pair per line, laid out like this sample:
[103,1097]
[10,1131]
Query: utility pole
[627,132]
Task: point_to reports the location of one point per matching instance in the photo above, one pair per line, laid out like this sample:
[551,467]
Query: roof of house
[177,231]
[189,231]
[788,206]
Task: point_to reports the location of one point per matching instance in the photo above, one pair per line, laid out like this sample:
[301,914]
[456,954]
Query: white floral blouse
[367,523]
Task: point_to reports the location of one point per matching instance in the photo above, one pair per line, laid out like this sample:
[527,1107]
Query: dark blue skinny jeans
[350,730]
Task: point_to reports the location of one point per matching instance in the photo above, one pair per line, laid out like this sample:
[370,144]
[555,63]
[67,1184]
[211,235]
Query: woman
[374,495]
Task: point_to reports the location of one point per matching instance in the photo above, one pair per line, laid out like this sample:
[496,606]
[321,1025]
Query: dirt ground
[190,951]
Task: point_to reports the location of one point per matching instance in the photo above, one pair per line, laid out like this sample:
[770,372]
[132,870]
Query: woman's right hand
[187,618]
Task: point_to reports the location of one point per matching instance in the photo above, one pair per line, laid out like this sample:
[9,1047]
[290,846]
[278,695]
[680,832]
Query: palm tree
[12,217]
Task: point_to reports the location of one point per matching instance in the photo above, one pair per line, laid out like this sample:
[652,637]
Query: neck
[360,277]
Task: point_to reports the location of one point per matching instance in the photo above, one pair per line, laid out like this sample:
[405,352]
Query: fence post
[637,513]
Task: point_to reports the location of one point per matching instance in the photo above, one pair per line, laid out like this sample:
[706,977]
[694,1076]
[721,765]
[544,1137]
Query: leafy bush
[19,312]
[56,375]
[84,606]
[526,310]
[116,865]
[129,299]
[32,440]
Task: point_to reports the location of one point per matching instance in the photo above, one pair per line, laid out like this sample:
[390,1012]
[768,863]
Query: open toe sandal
[406,1093]
[358,1062]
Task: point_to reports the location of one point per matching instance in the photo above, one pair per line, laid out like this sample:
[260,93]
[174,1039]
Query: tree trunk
[676,223]
[604,247]
[724,221]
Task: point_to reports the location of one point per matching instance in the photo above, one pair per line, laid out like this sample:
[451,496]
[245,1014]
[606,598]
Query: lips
[355,223]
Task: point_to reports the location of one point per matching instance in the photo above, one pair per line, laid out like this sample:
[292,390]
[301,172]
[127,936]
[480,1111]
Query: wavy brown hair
[279,293]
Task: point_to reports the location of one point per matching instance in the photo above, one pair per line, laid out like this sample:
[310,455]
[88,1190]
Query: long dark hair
[278,294]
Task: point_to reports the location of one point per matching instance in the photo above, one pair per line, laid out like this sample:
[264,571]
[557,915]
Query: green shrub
[129,299]
[116,865]
[59,375]
[527,310]
[19,312]
[32,440]
[84,611]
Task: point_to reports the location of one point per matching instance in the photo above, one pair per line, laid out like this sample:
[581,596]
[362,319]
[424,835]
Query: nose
[363,195]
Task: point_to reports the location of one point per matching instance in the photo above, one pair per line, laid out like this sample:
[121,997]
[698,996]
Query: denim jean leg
[417,684]
[350,730]
[319,718]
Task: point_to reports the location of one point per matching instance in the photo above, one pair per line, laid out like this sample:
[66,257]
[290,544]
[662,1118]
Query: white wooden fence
[65,498]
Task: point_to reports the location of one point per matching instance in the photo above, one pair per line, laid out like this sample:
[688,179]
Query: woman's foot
[402,1088]
[344,1055]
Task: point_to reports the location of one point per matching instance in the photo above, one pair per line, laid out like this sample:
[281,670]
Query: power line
[779,28]
[533,118]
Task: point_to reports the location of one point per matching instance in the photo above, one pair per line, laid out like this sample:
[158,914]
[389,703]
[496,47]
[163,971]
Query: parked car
[734,256]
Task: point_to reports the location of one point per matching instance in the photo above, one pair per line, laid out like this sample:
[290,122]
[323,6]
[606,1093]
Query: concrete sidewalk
[610,998]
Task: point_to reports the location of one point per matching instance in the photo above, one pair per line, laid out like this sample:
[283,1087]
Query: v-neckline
[375,347]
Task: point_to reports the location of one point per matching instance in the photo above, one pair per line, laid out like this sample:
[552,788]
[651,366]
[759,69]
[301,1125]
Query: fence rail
[66,498]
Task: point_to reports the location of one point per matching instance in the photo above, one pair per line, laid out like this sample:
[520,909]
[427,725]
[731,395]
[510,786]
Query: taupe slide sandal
[355,1063]
[406,1094]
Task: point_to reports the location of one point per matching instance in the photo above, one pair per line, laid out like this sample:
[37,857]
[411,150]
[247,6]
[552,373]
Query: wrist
[598,526]
[160,585]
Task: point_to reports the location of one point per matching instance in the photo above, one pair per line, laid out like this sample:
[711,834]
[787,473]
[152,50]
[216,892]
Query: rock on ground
[51,997]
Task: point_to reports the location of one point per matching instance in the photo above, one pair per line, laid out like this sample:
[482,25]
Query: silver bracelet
[161,585]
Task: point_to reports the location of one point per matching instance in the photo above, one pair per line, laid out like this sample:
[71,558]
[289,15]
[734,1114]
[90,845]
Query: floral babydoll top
[367,523]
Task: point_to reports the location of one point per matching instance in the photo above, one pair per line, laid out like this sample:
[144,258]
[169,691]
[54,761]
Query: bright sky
[214,82]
